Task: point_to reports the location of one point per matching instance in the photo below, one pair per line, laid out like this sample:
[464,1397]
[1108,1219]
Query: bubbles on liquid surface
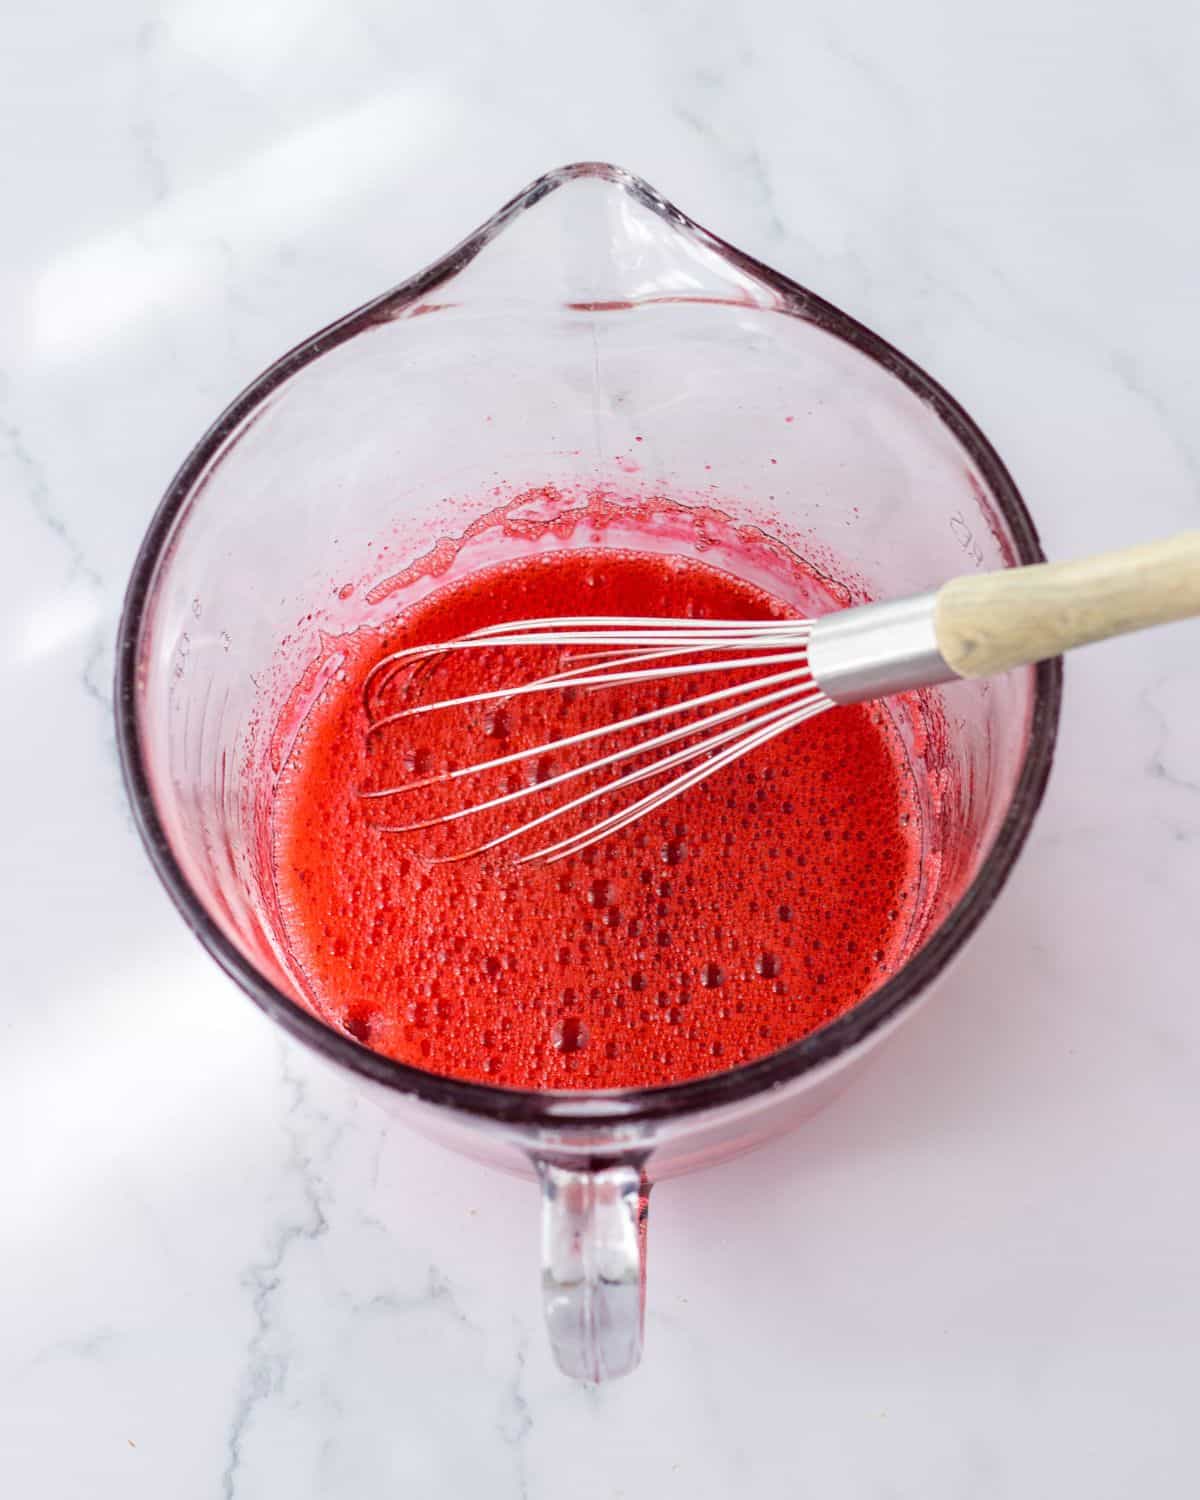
[360,1027]
[664,942]
[600,893]
[569,1035]
[538,770]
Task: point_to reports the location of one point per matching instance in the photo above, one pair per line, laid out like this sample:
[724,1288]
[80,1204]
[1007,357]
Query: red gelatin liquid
[745,914]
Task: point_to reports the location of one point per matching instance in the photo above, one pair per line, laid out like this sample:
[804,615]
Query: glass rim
[556,1110]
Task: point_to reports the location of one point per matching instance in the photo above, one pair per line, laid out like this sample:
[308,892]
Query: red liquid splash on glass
[747,913]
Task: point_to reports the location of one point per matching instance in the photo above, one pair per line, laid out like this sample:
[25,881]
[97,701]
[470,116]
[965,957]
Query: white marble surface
[975,1276]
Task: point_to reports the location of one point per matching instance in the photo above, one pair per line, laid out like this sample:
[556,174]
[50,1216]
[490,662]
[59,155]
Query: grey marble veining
[971,1276]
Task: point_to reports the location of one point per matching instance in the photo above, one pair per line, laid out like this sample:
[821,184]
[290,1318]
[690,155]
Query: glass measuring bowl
[586,322]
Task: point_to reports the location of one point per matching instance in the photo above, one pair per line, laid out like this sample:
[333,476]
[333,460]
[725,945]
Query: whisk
[785,671]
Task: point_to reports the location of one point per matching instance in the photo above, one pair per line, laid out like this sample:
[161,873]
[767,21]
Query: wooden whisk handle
[995,621]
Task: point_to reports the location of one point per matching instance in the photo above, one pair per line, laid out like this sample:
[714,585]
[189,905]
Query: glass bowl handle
[594,1266]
